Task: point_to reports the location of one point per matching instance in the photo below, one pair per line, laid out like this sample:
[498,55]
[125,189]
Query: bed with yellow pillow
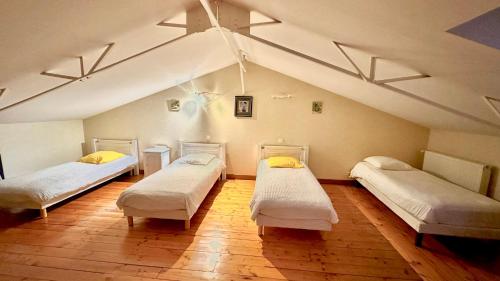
[46,187]
[287,194]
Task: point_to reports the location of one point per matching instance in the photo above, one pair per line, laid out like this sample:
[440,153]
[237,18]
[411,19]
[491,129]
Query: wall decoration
[173,105]
[243,106]
[317,107]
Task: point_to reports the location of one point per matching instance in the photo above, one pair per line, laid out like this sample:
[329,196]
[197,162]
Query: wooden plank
[88,238]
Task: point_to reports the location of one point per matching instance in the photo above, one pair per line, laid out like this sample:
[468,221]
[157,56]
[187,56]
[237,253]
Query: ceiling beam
[371,81]
[299,54]
[59,75]
[273,21]
[82,68]
[350,60]
[403,78]
[489,101]
[101,57]
[73,79]
[215,23]
[178,25]
[438,105]
[373,68]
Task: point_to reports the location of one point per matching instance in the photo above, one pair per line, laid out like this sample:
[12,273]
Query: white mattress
[431,199]
[177,187]
[287,193]
[35,189]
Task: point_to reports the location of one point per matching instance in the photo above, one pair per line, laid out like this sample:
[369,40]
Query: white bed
[287,197]
[431,204]
[177,191]
[44,188]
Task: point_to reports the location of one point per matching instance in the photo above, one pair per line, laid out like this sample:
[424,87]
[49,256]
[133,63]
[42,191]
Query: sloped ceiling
[409,37]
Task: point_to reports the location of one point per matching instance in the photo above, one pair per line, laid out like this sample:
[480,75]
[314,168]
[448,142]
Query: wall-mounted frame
[173,105]
[243,106]
[317,107]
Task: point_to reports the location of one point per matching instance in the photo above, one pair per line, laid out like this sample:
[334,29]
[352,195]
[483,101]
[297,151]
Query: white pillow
[196,159]
[388,163]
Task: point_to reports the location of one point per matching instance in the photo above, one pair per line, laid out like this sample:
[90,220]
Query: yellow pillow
[101,157]
[284,162]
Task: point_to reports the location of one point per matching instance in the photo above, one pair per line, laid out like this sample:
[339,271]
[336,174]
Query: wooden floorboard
[87,238]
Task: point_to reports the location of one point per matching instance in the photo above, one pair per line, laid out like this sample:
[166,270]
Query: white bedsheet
[287,193]
[35,189]
[178,187]
[431,199]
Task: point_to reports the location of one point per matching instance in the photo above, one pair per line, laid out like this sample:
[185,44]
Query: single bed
[44,188]
[289,197]
[433,205]
[177,191]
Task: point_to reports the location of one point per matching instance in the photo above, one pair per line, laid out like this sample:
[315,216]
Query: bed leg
[187,224]
[130,220]
[43,213]
[324,235]
[418,239]
[260,231]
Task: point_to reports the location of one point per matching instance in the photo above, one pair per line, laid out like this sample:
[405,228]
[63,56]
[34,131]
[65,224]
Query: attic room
[249,140]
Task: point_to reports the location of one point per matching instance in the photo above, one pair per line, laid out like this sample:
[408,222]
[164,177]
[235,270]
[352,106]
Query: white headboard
[217,149]
[300,152]
[125,146]
[471,175]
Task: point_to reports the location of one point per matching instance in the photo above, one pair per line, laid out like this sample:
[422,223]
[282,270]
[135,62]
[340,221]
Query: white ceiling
[409,35]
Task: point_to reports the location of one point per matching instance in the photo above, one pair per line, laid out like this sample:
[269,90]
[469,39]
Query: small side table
[155,158]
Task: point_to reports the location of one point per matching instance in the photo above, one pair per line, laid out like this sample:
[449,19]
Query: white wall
[27,147]
[345,133]
[480,148]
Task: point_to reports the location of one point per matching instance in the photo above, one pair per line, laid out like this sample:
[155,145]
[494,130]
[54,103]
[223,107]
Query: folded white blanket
[288,193]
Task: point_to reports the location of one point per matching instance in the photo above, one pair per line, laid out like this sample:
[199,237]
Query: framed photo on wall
[243,106]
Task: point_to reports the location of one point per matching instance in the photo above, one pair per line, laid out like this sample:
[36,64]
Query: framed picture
[243,106]
[317,107]
[173,105]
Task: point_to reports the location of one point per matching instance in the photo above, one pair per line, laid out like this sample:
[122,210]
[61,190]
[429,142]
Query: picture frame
[173,105]
[317,107]
[243,106]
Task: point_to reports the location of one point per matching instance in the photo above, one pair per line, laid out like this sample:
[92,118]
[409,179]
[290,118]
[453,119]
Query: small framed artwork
[317,107]
[243,106]
[173,105]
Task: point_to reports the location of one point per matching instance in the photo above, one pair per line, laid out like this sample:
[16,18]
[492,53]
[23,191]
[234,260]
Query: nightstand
[155,158]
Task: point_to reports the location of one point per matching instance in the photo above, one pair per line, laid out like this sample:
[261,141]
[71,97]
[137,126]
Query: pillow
[284,162]
[197,159]
[101,157]
[388,163]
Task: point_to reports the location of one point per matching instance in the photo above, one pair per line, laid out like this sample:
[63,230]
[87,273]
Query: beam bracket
[361,74]
[168,24]
[490,101]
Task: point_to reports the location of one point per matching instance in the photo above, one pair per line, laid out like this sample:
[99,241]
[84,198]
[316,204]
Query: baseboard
[338,182]
[322,181]
[240,177]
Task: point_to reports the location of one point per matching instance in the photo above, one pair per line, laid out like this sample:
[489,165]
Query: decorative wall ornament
[282,97]
[317,107]
[173,105]
[243,106]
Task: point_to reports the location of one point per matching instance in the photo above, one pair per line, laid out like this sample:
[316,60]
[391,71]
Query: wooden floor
[88,239]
